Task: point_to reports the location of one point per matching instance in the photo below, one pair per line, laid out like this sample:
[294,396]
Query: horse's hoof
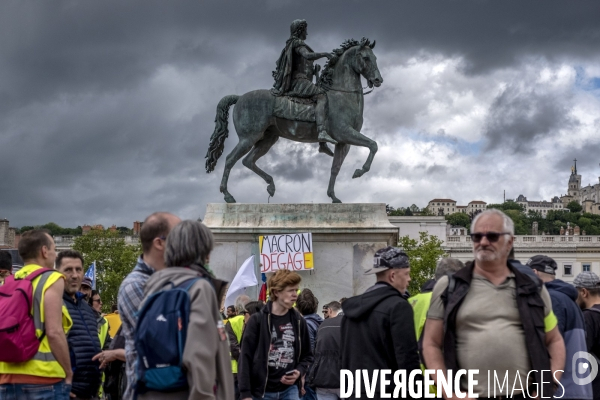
[358,173]
[271,189]
[336,200]
[229,199]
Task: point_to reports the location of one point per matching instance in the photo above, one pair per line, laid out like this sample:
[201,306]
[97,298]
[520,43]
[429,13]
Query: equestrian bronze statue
[330,111]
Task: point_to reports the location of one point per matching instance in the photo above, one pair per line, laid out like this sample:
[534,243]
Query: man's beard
[486,256]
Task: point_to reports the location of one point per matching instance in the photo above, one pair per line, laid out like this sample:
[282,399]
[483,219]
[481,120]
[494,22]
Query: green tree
[114,260]
[424,255]
[459,219]
[574,207]
[26,228]
[507,205]
[426,212]
[123,230]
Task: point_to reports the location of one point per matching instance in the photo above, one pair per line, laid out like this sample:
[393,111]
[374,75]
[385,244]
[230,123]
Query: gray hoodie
[206,353]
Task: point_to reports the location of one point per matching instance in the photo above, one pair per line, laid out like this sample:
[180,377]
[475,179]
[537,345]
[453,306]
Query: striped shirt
[131,294]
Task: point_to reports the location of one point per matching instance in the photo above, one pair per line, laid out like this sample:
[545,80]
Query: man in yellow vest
[420,302]
[234,328]
[48,374]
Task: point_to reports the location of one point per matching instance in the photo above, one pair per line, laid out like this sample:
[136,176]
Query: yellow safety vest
[102,331]
[43,362]
[237,324]
[420,304]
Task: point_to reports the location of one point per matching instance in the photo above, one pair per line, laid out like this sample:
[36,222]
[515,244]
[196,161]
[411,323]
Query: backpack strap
[449,289]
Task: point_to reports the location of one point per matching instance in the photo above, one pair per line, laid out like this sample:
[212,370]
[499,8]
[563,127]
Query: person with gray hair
[491,317]
[234,328]
[420,302]
[206,353]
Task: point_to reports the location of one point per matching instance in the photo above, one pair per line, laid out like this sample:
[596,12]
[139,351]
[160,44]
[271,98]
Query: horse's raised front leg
[354,137]
[260,149]
[341,150]
[243,146]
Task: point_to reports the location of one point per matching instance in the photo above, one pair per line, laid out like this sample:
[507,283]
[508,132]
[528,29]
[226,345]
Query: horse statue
[260,118]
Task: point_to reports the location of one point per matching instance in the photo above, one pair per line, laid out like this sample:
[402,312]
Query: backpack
[18,339]
[160,338]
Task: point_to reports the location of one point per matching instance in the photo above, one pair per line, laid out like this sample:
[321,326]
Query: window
[586,268]
[568,270]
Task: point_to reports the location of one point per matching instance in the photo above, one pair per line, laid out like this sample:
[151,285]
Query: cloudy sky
[106,108]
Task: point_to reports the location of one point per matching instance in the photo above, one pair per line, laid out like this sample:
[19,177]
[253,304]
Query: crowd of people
[168,339]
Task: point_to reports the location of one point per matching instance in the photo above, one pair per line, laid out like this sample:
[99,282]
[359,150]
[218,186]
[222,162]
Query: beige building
[540,206]
[442,206]
[573,254]
[448,206]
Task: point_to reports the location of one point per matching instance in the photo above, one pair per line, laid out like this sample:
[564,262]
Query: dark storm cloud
[88,135]
[518,117]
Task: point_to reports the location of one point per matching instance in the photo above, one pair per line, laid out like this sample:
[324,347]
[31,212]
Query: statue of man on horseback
[288,111]
[294,75]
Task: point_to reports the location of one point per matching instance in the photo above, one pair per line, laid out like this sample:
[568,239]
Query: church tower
[574,183]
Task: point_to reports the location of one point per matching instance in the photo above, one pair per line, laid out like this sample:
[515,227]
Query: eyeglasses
[97,301]
[492,237]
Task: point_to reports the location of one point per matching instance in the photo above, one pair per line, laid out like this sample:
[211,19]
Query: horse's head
[366,63]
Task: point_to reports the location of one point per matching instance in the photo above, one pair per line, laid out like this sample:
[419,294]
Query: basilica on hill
[588,197]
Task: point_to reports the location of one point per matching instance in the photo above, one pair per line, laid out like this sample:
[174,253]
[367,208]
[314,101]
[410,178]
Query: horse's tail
[217,140]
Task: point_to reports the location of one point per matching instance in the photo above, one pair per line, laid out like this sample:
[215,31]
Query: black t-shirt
[281,352]
[592,338]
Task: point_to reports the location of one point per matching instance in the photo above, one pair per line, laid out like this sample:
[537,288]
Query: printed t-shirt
[281,352]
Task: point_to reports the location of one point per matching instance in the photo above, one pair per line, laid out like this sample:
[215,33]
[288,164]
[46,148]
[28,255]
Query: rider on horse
[294,75]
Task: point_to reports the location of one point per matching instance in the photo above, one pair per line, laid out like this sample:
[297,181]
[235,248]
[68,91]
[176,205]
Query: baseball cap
[87,282]
[587,280]
[390,257]
[543,264]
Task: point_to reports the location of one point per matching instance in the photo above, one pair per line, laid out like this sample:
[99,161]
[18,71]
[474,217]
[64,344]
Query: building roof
[477,202]
[444,200]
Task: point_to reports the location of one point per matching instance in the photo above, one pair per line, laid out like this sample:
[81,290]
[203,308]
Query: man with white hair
[491,317]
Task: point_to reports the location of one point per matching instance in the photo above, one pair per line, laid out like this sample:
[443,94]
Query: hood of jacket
[358,307]
[563,287]
[314,317]
[177,276]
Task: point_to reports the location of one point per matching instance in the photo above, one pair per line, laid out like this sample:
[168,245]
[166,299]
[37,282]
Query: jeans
[310,394]
[290,393]
[58,391]
[328,394]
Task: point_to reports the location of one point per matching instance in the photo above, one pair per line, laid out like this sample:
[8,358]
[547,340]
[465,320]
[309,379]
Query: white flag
[244,278]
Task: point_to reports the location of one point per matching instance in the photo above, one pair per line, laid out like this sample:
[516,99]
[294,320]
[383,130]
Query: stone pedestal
[345,238]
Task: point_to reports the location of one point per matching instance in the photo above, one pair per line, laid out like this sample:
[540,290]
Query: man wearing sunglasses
[490,316]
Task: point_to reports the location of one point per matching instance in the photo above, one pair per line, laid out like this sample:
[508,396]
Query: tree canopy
[423,255]
[114,260]
[458,219]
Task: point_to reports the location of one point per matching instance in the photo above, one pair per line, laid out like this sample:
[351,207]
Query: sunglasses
[492,237]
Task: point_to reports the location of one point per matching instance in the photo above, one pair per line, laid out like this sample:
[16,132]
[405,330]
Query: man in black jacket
[275,350]
[324,376]
[378,328]
[83,339]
